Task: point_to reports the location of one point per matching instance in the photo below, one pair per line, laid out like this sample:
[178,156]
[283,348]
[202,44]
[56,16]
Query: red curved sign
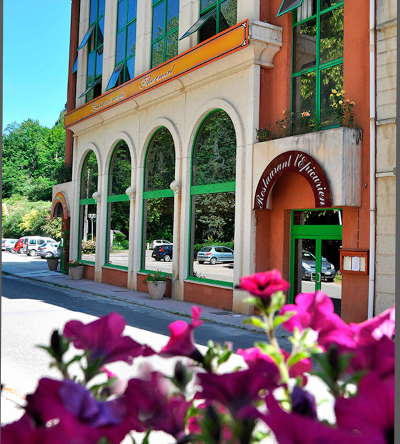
[294,162]
[59,198]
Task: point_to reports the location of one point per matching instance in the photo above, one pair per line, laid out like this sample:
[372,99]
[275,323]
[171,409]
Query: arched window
[158,202]
[118,207]
[88,209]
[213,200]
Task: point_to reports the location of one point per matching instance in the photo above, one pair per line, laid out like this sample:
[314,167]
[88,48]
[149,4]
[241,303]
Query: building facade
[221,125]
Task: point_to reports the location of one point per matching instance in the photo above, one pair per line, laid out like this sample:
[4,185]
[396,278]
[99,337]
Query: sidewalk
[169,305]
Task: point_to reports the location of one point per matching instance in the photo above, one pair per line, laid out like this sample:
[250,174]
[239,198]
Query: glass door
[315,252]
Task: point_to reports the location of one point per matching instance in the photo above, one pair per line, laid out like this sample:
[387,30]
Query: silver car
[214,254]
[48,249]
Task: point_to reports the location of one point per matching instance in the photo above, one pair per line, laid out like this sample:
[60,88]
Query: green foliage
[155,277]
[41,166]
[29,219]
[89,246]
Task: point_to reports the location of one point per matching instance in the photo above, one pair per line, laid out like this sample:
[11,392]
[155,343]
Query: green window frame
[125,46]
[95,42]
[164,40]
[214,188]
[118,181]
[313,82]
[88,185]
[225,16]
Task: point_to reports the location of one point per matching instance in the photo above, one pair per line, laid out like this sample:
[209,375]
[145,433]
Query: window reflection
[213,200]
[118,209]
[89,176]
[331,78]
[160,162]
[213,236]
[118,233]
[214,157]
[331,40]
[88,232]
[158,204]
[159,224]
[304,88]
[305,45]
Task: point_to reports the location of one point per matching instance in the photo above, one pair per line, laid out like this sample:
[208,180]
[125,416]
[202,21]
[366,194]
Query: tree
[33,159]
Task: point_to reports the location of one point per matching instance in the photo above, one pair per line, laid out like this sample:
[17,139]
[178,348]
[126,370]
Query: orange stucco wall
[291,192]
[209,295]
[88,272]
[114,277]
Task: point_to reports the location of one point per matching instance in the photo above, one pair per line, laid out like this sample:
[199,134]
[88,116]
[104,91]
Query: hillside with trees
[32,162]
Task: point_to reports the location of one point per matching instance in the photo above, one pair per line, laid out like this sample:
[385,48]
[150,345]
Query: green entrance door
[316,239]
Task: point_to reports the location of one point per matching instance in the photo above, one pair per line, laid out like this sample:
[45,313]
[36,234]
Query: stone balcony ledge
[338,152]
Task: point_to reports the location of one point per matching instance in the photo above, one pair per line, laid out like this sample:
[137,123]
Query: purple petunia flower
[148,401]
[292,428]
[65,412]
[104,341]
[237,390]
[181,342]
[371,412]
[264,285]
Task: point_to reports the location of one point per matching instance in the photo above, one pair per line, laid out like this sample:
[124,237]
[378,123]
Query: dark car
[163,252]
[328,271]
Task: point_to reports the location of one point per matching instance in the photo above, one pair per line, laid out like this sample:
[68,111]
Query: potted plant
[52,261]
[156,283]
[75,269]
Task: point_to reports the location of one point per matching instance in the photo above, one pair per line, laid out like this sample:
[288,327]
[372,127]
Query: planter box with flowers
[75,269]
[156,283]
[337,150]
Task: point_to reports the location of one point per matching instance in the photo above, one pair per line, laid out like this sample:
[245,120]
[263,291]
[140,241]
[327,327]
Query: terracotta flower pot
[52,263]
[156,291]
[76,272]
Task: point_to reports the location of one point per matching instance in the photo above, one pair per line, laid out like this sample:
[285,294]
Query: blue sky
[35,59]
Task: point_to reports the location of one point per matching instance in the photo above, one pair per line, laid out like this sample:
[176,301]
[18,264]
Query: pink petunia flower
[316,311]
[181,342]
[65,412]
[264,285]
[237,390]
[374,329]
[377,357]
[104,341]
[253,355]
[371,412]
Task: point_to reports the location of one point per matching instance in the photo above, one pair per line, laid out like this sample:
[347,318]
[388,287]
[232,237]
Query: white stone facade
[386,59]
[231,84]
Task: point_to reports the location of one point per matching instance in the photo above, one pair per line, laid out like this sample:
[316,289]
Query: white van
[31,244]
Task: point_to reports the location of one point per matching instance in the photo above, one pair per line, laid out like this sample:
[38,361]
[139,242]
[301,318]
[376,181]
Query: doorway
[316,240]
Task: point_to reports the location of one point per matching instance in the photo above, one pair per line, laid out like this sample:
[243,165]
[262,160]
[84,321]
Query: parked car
[158,243]
[48,249]
[31,244]
[163,252]
[328,271]
[18,246]
[214,254]
[8,244]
